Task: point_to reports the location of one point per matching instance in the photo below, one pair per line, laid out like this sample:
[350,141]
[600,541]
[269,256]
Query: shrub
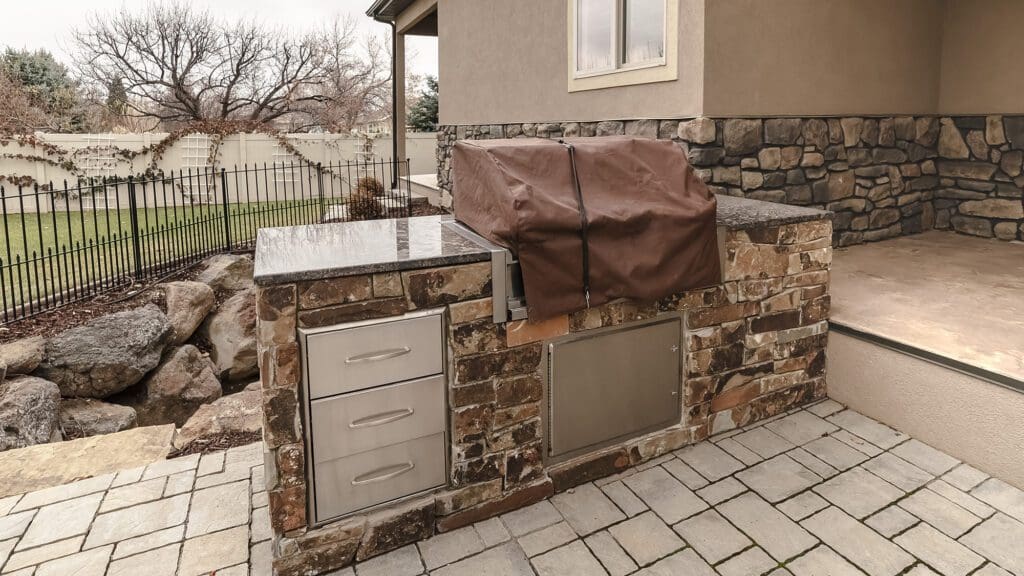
[363,204]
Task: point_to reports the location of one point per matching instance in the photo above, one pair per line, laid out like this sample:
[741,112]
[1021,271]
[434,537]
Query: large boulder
[236,414]
[108,354]
[184,381]
[81,417]
[29,412]
[231,332]
[227,272]
[188,303]
[23,356]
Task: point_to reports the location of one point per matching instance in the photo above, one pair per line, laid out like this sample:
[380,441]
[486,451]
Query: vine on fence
[217,130]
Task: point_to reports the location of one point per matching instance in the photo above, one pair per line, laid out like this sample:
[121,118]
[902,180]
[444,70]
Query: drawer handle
[381,474]
[382,355]
[383,418]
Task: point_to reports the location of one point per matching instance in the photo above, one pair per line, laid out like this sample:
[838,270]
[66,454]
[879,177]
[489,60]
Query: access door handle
[382,418]
[379,355]
[381,474]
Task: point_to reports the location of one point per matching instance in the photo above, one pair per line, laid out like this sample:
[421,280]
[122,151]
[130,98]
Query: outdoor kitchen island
[397,405]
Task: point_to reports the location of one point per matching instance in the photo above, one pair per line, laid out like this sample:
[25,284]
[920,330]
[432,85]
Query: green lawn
[41,252]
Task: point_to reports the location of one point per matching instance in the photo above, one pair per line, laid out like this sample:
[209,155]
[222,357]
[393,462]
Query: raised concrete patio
[956,296]
[820,490]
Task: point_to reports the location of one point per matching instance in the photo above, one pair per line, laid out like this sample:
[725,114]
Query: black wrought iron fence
[64,244]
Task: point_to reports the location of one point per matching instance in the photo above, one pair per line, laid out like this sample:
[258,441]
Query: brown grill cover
[651,220]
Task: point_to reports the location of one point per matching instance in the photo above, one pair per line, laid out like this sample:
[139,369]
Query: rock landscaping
[165,362]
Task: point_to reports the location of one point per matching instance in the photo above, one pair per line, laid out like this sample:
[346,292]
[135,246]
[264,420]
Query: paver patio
[820,490]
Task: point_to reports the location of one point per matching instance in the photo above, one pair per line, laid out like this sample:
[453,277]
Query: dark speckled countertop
[319,251]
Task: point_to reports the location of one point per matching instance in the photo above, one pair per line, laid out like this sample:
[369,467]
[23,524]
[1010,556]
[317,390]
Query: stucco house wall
[899,115]
[507,62]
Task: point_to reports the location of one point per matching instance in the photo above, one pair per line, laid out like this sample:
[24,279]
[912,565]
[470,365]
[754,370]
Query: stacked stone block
[883,177]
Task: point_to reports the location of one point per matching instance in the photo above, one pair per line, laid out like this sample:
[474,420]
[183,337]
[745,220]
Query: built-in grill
[577,223]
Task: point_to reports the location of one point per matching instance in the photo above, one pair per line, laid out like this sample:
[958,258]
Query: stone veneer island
[754,346]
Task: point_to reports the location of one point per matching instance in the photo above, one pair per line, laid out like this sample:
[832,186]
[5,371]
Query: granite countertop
[743,213]
[318,251]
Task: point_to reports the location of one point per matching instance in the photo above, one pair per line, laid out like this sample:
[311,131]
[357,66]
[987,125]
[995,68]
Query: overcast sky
[48,23]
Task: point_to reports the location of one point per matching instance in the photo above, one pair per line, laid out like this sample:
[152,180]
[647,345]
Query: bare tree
[179,64]
[18,114]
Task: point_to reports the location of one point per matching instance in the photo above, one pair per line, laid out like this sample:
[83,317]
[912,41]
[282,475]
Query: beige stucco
[808,57]
[506,62]
[981,57]
[971,419]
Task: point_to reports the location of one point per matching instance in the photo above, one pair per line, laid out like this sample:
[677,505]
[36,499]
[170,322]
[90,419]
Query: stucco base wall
[971,419]
[883,177]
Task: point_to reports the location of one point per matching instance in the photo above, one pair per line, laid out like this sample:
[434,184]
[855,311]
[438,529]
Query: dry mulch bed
[217,443]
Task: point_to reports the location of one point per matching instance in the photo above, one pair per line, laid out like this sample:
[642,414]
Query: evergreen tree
[423,114]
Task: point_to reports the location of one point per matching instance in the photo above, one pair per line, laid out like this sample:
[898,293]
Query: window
[621,38]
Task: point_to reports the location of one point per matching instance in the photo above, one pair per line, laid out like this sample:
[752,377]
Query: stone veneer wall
[755,348]
[883,177]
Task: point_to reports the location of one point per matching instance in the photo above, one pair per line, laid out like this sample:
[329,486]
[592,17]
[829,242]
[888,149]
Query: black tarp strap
[584,223]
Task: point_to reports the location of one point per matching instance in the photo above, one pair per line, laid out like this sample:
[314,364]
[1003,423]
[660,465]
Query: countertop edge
[395,266]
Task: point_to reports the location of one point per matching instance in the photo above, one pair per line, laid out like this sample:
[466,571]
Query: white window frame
[622,73]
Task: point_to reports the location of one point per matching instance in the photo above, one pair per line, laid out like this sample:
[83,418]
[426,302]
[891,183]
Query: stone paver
[939,512]
[862,545]
[712,536]
[530,518]
[752,561]
[925,457]
[686,562]
[965,477]
[1001,496]
[402,562]
[859,492]
[822,561]
[770,529]
[666,496]
[939,551]
[451,546]
[764,442]
[646,538]
[722,490]
[572,560]
[801,427]
[210,552]
[543,540]
[802,505]
[587,509]
[624,498]
[835,453]
[824,490]
[999,539]
[891,521]
[898,472]
[710,461]
[778,478]
[878,434]
[614,559]
[61,520]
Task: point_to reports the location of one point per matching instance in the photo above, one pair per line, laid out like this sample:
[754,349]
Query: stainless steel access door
[608,385]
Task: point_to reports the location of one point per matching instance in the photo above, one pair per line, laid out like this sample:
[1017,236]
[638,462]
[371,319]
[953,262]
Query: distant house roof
[387,10]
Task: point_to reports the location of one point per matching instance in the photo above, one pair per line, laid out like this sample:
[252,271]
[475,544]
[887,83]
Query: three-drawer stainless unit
[375,411]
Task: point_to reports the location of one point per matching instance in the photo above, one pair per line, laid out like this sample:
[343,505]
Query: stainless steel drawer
[368,355]
[368,478]
[344,425]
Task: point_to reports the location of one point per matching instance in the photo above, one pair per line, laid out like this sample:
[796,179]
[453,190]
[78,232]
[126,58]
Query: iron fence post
[320,189]
[227,212]
[134,214]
